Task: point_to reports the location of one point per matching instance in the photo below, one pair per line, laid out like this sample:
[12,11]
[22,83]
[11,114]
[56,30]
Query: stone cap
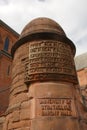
[42,25]
[42,29]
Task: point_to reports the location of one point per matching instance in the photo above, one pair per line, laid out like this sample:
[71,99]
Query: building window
[8,70]
[0,38]
[6,45]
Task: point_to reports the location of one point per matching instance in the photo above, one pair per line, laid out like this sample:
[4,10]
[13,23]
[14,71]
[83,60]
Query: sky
[70,14]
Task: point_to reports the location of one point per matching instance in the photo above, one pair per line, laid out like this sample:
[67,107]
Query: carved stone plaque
[55,107]
[50,60]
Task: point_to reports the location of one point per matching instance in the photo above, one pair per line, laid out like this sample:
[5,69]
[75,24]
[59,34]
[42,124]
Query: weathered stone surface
[16,116]
[50,60]
[2,120]
[25,104]
[7,120]
[23,128]
[53,123]
[19,98]
[13,108]
[25,114]
[50,89]
[20,124]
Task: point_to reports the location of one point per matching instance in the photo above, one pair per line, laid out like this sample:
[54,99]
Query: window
[8,70]
[6,45]
[0,39]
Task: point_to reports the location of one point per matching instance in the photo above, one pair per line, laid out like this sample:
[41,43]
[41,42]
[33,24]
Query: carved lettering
[49,60]
[55,107]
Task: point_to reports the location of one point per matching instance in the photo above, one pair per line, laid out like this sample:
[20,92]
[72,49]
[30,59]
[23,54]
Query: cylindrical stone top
[50,56]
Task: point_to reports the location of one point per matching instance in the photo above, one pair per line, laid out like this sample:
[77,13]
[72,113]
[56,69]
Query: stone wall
[2,120]
[18,111]
[82,77]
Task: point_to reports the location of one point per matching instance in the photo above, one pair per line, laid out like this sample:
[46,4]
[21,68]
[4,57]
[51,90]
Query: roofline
[80,54]
[13,31]
[79,63]
[80,69]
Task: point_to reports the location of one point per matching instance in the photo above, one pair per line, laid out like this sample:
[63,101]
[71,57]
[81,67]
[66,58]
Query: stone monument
[44,90]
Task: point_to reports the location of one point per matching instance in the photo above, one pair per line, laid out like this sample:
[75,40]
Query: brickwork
[5,63]
[82,77]
[7,32]
[2,120]
[18,107]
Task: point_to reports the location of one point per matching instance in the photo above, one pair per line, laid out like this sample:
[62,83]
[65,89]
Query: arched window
[6,45]
[0,38]
[8,70]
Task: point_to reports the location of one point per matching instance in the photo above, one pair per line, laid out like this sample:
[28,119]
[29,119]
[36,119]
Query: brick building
[81,67]
[7,38]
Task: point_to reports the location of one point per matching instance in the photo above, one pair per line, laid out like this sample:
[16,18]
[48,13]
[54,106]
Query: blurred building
[81,67]
[7,38]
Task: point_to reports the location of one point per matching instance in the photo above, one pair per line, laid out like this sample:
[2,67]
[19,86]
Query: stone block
[52,123]
[20,124]
[26,104]
[16,116]
[25,114]
[19,98]
[50,89]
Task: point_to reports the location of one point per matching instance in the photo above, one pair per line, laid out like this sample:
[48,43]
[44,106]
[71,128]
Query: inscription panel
[55,107]
[50,57]
[50,60]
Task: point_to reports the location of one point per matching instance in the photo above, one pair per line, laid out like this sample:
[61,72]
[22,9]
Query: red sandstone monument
[44,93]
